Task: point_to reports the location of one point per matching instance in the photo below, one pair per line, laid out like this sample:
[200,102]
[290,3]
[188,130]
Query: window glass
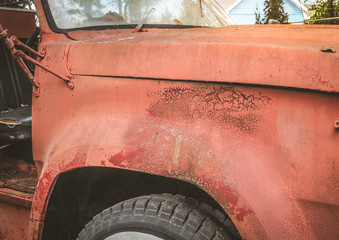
[70,14]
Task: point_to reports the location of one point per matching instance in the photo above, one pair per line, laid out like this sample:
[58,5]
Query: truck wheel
[159,217]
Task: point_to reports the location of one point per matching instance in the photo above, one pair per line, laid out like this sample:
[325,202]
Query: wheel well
[82,193]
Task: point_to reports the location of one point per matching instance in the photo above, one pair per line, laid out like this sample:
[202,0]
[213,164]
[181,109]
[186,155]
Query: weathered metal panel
[14,222]
[287,56]
[20,23]
[268,156]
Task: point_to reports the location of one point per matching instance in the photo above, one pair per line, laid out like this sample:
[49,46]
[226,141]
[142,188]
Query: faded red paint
[78,160]
[291,55]
[13,222]
[225,157]
[187,109]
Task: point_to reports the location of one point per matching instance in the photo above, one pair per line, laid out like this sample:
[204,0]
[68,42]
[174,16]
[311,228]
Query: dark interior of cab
[18,175]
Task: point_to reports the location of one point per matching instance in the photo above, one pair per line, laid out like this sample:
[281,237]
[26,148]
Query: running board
[16,198]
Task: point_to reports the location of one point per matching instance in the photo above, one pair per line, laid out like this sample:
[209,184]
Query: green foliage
[258,19]
[274,9]
[14,4]
[325,9]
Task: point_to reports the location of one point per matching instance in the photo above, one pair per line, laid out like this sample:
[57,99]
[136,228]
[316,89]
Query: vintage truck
[160,120]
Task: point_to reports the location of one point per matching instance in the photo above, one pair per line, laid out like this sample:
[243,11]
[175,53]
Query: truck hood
[283,55]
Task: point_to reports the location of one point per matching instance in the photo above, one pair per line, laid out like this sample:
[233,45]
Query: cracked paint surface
[226,106]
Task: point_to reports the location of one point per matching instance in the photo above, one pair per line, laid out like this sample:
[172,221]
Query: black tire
[167,216]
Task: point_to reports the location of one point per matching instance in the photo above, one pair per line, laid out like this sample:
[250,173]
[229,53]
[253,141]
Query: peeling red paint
[118,158]
[232,199]
[216,188]
[242,213]
[323,82]
[230,196]
[41,192]
[222,105]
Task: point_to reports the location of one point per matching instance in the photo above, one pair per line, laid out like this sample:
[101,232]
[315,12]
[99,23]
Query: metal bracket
[19,55]
[336,124]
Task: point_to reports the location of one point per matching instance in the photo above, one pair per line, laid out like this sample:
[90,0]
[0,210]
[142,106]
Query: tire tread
[185,216]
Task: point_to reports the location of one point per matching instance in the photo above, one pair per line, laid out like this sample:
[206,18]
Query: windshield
[71,14]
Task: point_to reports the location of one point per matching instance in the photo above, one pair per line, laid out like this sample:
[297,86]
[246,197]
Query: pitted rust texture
[214,187]
[227,106]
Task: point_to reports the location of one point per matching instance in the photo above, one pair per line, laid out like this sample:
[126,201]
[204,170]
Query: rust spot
[44,49]
[233,202]
[121,156]
[42,35]
[3,235]
[52,152]
[224,105]
[65,56]
[241,213]
[192,160]
[41,192]
[318,80]
[176,152]
[222,192]
[323,82]
[151,114]
[225,195]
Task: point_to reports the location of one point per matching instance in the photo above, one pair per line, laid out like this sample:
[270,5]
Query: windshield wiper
[201,9]
[142,22]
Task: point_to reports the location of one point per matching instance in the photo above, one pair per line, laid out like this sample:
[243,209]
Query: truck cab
[161,119]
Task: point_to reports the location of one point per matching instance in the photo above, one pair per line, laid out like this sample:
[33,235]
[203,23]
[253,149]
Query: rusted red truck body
[246,113]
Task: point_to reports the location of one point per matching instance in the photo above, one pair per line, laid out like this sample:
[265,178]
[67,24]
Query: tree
[274,10]
[325,9]
[258,19]
[14,4]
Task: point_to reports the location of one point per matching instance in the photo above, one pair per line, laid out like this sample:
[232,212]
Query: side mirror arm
[18,55]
